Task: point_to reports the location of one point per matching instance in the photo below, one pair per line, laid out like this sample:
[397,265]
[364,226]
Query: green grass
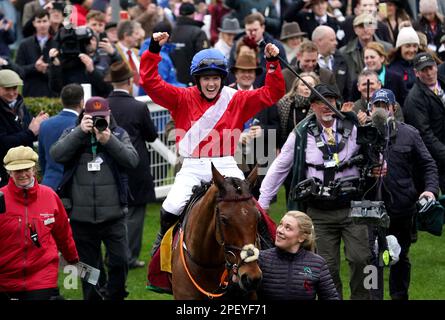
[427,259]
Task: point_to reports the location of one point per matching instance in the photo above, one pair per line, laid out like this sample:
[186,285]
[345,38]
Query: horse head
[236,220]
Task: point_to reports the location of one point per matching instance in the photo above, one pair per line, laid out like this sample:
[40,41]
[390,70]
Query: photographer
[77,61]
[96,21]
[323,149]
[404,156]
[95,154]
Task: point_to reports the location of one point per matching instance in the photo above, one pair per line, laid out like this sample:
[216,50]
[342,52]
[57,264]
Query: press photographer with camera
[95,155]
[96,20]
[323,154]
[76,60]
[397,155]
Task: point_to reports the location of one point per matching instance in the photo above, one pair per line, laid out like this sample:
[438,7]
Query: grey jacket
[95,195]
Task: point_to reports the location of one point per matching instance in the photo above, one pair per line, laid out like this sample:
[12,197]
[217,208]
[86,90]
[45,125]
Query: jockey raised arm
[209,117]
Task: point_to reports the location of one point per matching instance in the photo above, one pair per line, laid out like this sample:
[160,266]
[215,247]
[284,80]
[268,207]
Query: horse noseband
[249,253]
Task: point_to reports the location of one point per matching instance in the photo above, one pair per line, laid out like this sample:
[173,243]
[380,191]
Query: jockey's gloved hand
[154,46]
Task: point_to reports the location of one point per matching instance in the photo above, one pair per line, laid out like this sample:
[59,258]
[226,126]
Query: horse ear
[252,178]
[218,179]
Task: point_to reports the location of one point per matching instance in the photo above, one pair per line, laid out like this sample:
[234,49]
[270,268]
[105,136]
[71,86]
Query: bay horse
[216,244]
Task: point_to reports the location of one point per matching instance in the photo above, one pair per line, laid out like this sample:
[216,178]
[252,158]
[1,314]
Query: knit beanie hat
[407,35]
[428,6]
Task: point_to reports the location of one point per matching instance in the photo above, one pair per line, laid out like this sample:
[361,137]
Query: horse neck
[201,239]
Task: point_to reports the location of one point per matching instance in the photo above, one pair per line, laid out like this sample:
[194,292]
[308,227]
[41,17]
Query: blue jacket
[166,67]
[50,131]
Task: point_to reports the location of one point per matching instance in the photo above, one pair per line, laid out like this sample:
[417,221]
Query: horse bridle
[248,253]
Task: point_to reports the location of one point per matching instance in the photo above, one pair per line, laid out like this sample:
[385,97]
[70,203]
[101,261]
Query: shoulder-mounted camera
[73,41]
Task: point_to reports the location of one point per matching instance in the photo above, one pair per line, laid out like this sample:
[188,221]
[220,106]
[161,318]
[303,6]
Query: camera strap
[94,165]
[330,157]
[93,146]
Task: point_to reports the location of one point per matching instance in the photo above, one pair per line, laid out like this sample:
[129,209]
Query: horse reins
[248,253]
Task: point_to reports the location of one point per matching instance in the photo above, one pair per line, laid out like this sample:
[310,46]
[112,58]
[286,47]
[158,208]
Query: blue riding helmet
[209,61]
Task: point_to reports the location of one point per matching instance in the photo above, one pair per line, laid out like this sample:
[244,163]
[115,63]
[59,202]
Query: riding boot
[167,220]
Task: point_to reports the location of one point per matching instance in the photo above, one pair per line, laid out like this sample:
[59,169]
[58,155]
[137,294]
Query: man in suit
[330,58]
[127,35]
[134,117]
[52,129]
[317,16]
[33,57]
[307,61]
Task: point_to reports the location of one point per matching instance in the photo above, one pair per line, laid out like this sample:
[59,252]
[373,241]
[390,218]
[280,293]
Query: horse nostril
[250,284]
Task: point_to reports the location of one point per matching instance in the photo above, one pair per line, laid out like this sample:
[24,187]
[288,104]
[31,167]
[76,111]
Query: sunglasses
[210,62]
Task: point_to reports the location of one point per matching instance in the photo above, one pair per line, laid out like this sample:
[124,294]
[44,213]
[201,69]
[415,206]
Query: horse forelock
[236,187]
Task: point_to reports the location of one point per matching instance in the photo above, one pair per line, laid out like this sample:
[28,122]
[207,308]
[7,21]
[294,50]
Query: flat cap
[20,158]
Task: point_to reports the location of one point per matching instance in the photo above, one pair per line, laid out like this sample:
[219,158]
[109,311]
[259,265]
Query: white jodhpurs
[193,171]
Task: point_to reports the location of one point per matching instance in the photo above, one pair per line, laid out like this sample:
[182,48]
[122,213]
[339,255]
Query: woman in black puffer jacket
[291,270]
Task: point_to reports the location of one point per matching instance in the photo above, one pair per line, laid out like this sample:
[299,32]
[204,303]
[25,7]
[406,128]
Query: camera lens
[100,123]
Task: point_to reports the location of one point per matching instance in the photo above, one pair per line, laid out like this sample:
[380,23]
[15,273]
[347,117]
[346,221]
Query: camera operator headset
[397,154]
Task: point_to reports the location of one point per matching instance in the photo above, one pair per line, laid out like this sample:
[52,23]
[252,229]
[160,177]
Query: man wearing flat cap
[33,230]
[318,149]
[364,28]
[17,125]
[95,155]
[424,109]
[134,117]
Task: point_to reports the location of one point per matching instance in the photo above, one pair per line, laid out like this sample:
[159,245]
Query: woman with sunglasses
[209,118]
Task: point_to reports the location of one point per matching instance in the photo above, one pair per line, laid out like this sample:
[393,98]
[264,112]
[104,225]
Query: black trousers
[113,234]
[42,294]
[399,273]
[135,228]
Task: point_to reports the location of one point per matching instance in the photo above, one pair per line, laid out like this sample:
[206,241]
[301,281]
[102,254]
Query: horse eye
[224,220]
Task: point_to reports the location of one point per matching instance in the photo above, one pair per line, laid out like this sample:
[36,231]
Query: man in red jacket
[209,117]
[32,230]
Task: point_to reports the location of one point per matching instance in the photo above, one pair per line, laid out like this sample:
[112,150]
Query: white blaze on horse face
[244,211]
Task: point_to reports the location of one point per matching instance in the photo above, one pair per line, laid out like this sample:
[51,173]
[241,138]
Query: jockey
[209,118]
